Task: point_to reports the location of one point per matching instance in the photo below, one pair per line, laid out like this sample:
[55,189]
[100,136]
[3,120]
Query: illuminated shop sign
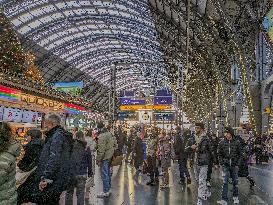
[31,99]
[15,95]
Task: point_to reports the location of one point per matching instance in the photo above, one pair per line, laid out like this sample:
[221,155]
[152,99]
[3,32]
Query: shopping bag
[90,182]
[116,160]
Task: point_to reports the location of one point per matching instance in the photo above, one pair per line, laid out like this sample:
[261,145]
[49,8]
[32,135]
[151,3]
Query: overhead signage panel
[145,107]
[164,116]
[163,100]
[129,101]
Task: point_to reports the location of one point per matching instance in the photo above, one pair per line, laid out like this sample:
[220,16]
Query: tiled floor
[127,189]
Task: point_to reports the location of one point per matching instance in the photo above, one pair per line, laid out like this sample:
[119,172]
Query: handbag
[21,177]
[116,160]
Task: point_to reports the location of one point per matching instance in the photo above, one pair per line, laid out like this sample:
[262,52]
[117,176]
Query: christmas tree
[12,57]
[32,71]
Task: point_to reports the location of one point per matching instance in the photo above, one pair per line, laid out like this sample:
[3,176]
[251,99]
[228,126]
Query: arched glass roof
[92,35]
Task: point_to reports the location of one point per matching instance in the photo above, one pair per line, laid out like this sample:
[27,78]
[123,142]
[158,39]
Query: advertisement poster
[74,88]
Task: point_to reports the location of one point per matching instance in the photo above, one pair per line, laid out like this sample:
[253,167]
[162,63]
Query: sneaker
[188,180]
[199,202]
[222,202]
[208,194]
[208,184]
[236,200]
[103,195]
[150,183]
[182,181]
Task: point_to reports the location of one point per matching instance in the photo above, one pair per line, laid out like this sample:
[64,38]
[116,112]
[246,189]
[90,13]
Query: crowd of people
[63,161]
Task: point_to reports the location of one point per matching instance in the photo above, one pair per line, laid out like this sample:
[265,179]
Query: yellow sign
[145,107]
[43,102]
[267,110]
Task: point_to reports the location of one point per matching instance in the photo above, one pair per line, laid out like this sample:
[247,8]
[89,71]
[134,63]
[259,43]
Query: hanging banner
[74,88]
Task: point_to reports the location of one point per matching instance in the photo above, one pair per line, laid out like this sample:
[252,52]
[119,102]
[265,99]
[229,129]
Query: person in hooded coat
[82,163]
[32,150]
[9,150]
[29,161]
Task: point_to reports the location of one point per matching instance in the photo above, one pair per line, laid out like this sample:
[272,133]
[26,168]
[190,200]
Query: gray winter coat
[8,195]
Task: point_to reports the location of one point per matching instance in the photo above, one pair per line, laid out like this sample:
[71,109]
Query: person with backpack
[106,146]
[82,163]
[53,174]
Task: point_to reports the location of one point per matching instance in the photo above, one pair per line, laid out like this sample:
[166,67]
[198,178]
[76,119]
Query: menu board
[12,115]
[9,114]
[29,116]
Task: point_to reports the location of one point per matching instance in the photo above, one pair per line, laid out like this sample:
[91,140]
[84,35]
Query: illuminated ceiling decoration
[90,36]
[221,32]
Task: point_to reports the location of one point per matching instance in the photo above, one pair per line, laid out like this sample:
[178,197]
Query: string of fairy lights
[17,69]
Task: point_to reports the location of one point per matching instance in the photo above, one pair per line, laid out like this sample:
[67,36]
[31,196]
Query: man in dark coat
[229,153]
[138,153]
[179,149]
[53,174]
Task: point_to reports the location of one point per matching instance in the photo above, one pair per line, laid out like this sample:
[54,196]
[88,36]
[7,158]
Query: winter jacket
[203,152]
[54,163]
[152,146]
[164,147]
[32,154]
[179,146]
[8,195]
[229,152]
[138,152]
[106,146]
[214,145]
[81,157]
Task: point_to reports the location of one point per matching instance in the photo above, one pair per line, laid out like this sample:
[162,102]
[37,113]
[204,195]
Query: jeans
[152,168]
[201,178]
[183,169]
[79,184]
[227,173]
[106,175]
[209,171]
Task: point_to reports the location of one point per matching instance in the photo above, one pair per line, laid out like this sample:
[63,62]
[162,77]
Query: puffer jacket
[8,195]
[81,158]
[229,152]
[106,146]
[203,153]
[152,146]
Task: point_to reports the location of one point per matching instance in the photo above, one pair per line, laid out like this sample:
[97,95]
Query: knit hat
[229,130]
